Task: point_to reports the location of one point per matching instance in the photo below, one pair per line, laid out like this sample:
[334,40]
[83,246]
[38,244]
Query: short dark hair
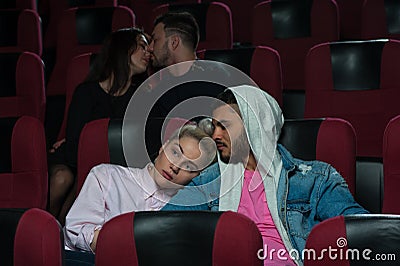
[226,97]
[183,24]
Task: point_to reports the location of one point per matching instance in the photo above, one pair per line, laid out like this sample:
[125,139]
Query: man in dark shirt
[174,42]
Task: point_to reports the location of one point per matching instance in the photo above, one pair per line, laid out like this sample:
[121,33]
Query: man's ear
[175,41]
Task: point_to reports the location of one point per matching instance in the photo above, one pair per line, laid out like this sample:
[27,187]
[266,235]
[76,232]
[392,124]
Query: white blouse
[110,190]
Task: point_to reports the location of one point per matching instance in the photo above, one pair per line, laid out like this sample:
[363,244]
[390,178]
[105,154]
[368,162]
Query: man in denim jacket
[289,196]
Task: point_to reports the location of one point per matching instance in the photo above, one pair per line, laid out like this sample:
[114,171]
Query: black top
[187,90]
[90,102]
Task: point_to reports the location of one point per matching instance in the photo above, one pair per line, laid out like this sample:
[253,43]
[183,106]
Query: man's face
[229,135]
[159,50]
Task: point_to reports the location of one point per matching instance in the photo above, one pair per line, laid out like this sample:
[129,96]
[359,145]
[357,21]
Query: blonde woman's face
[179,161]
[141,57]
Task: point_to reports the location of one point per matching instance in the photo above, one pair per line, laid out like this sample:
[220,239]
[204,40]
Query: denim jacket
[308,193]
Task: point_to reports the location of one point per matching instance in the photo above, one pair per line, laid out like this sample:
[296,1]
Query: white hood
[263,120]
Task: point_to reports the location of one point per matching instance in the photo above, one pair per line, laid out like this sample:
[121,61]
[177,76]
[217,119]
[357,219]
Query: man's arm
[335,197]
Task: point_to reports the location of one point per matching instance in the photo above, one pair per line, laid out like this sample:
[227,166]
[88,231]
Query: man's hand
[57,145]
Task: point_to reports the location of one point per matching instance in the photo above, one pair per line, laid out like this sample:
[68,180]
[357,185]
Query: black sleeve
[79,114]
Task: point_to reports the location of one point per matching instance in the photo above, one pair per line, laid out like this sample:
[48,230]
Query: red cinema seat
[367,239]
[262,64]
[23,165]
[356,81]
[214,20]
[20,31]
[292,27]
[83,30]
[22,89]
[38,240]
[18,4]
[330,140]
[9,218]
[179,238]
[78,69]
[391,167]
[101,141]
[241,21]
[56,9]
[380,19]
[350,18]
[143,8]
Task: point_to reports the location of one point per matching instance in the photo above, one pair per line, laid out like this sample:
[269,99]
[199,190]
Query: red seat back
[56,9]
[350,18]
[292,28]
[354,240]
[22,90]
[391,167]
[379,19]
[176,238]
[78,69]
[356,81]
[241,21]
[214,20]
[38,240]
[143,8]
[83,30]
[23,165]
[101,141]
[262,64]
[311,139]
[18,4]
[20,31]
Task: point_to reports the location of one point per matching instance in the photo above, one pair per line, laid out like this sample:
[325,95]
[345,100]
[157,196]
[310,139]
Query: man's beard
[240,150]
[162,61]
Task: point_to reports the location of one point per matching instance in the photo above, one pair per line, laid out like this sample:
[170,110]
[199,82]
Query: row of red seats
[24,170]
[23,157]
[353,14]
[222,238]
[36,238]
[226,238]
[290,38]
[356,81]
[373,78]
[290,27]
[102,149]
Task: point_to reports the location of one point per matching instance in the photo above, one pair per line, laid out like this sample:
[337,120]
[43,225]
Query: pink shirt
[110,190]
[254,205]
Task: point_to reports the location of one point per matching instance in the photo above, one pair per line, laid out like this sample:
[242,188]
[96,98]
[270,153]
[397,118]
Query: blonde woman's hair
[206,143]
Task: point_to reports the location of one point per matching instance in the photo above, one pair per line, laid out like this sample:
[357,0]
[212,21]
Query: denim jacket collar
[288,161]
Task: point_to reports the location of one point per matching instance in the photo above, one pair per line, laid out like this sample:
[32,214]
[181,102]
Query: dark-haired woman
[117,72]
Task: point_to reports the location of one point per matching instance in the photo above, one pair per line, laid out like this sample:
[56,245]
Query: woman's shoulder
[89,92]
[87,86]
[113,169]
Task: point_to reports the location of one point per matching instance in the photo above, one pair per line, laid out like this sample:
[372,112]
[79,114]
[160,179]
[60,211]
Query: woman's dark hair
[114,58]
